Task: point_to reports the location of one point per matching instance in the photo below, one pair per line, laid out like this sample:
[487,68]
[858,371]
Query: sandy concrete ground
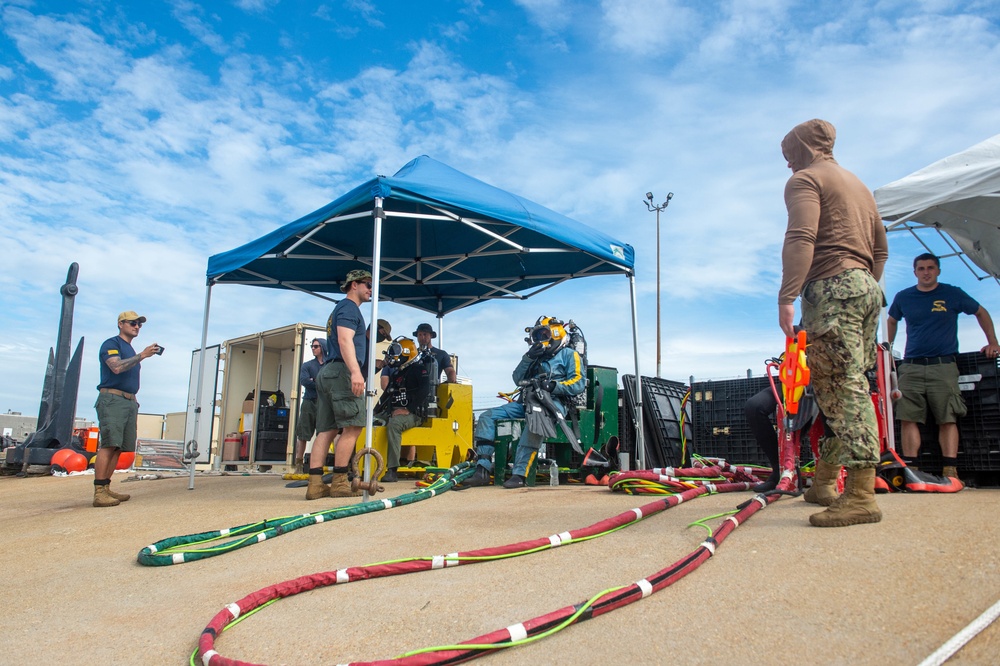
[776,590]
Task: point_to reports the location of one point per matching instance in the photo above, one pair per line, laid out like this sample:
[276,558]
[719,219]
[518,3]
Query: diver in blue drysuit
[554,366]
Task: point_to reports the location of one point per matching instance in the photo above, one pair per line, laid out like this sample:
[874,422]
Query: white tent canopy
[958,196]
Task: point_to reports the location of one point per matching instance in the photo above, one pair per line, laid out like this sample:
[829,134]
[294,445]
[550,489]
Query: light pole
[663,206]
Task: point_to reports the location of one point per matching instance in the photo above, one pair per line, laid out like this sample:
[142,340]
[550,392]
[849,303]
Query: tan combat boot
[856,506]
[317,489]
[121,497]
[950,472]
[102,498]
[341,487]
[823,490]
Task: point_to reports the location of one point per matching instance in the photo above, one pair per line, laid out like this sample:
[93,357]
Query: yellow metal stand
[446,438]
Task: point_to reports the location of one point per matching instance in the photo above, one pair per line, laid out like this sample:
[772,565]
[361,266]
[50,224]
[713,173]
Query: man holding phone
[117,409]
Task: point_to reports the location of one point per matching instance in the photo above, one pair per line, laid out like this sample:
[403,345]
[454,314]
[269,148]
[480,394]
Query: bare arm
[345,336]
[450,374]
[890,329]
[992,349]
[118,366]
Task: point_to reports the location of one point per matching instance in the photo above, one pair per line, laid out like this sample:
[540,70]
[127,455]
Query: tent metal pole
[440,317]
[640,447]
[378,215]
[197,390]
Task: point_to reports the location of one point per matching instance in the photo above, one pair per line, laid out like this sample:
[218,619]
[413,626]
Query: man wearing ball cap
[117,409]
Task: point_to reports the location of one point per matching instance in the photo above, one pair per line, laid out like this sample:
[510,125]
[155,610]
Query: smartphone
[159,350]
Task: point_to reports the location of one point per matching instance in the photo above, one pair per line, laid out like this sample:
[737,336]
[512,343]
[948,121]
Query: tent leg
[640,446]
[198,396]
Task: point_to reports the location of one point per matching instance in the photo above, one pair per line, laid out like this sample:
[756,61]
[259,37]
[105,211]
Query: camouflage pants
[840,315]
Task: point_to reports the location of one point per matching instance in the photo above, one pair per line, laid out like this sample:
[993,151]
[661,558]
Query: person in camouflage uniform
[840,315]
[834,251]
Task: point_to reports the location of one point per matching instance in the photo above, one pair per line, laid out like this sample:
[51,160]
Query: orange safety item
[793,372]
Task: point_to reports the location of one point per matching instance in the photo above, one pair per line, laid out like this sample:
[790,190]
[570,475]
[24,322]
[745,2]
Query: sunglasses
[367,284]
[315,346]
[133,322]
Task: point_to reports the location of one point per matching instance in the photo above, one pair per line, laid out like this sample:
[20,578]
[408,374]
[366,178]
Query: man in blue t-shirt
[928,375]
[340,389]
[117,409]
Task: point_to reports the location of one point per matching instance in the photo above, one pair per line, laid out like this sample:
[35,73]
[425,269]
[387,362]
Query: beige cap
[130,315]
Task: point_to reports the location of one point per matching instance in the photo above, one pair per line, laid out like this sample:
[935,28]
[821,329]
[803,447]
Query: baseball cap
[129,315]
[354,276]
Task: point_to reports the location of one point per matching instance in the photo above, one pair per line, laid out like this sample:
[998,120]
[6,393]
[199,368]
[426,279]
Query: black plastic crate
[273,418]
[661,415]
[272,445]
[975,363]
[720,427]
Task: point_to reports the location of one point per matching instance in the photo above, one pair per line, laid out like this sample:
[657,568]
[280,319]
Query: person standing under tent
[424,334]
[305,425]
[340,389]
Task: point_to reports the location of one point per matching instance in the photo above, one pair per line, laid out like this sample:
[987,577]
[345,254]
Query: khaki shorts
[117,418]
[306,425]
[336,404]
[929,388]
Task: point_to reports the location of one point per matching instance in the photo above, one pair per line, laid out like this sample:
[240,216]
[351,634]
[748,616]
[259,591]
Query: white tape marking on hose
[177,558]
[735,522]
[437,562]
[207,657]
[517,632]
[387,503]
[234,610]
[342,576]
[645,586]
[451,559]
[638,513]
[152,550]
[709,546]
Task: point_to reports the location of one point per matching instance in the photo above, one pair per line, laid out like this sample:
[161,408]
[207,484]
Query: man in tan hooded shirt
[834,252]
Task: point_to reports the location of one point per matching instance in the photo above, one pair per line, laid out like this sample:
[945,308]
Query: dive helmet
[549,333]
[401,352]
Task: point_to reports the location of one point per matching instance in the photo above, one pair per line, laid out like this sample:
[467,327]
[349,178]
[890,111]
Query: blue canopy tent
[436,239]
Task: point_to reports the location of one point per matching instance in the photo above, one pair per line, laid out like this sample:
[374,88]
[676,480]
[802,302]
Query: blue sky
[138,139]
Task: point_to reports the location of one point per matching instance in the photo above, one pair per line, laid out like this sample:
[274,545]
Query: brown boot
[317,489]
[121,497]
[103,498]
[856,506]
[341,487]
[950,472]
[823,490]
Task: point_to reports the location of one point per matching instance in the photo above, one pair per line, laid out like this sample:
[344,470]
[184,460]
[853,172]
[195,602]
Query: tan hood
[807,141]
